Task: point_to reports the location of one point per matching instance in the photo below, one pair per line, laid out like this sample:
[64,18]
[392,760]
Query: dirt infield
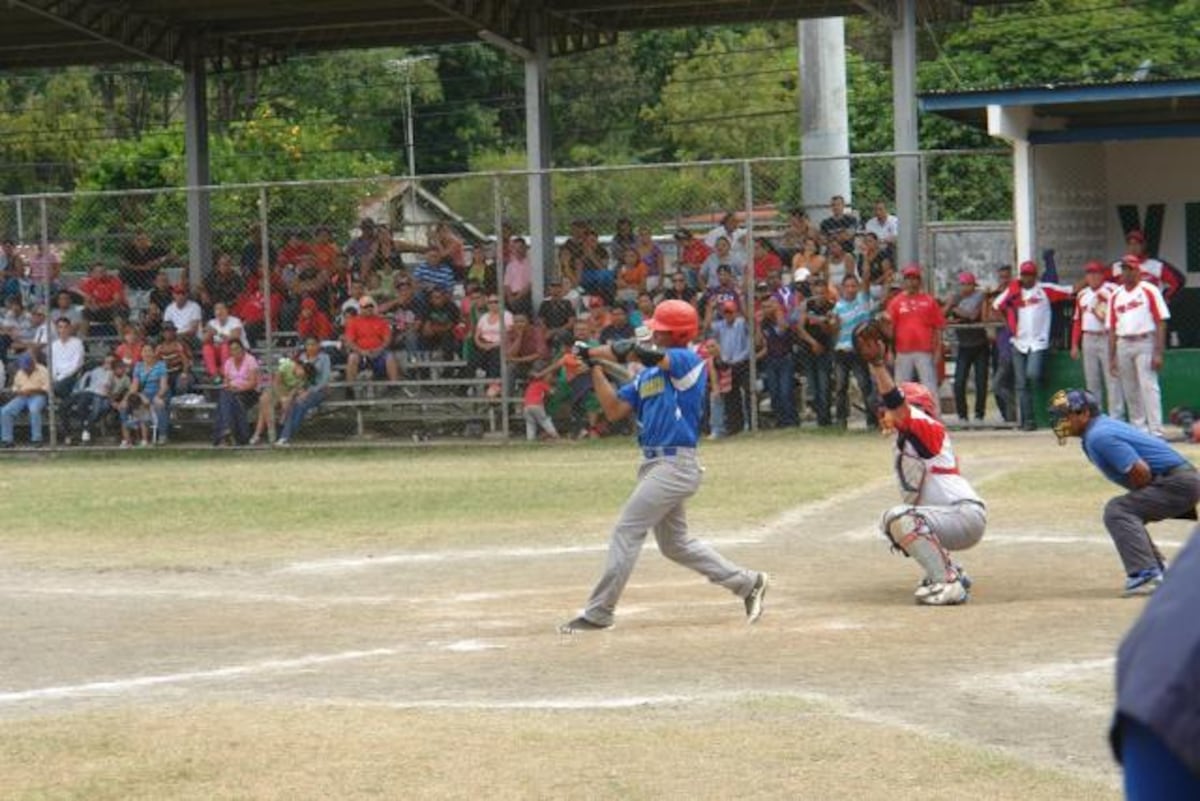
[397,665]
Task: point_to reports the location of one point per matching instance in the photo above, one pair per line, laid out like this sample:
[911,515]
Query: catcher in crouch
[941,511]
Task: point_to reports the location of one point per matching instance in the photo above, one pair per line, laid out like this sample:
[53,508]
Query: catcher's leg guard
[910,533]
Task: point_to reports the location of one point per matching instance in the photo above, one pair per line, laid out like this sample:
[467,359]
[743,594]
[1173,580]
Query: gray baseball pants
[664,484]
[1139,383]
[957,527]
[1167,496]
[918,366]
[1098,376]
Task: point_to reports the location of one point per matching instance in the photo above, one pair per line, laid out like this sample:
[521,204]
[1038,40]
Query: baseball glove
[871,341]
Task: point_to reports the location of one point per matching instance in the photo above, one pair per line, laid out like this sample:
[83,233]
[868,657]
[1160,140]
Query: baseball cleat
[963,577]
[754,601]
[579,624]
[937,593]
[1144,582]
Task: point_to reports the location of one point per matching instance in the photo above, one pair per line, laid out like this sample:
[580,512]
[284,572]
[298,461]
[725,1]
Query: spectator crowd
[125,345]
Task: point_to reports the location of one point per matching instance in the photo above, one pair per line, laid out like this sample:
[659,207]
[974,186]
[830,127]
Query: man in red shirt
[367,338]
[103,294]
[692,253]
[917,322]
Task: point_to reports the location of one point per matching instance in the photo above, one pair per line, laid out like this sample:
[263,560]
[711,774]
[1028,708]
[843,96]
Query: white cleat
[937,593]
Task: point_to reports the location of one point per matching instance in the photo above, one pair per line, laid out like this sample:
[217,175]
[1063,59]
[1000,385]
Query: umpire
[1162,484]
[666,397]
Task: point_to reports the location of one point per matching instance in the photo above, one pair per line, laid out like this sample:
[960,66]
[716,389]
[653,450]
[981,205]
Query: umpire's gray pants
[917,366]
[1099,378]
[664,484]
[1165,497]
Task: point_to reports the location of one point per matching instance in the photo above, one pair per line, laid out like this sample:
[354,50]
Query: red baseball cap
[308,303]
[1028,268]
[1135,235]
[911,270]
[966,277]
[1094,266]
[1130,260]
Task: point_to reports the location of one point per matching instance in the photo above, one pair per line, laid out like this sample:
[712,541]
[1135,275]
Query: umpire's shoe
[754,601]
[579,624]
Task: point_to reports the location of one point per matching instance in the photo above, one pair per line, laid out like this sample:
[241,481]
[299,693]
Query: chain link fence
[396,309]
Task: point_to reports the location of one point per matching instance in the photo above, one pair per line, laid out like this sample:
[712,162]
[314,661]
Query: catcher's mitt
[871,341]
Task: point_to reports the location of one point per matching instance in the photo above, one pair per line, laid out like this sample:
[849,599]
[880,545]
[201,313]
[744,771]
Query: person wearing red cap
[1089,337]
[1137,324]
[1164,276]
[917,322]
[1031,337]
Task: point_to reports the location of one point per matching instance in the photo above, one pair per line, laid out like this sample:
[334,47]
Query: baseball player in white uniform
[1166,278]
[1089,338]
[941,511]
[1137,322]
[1032,300]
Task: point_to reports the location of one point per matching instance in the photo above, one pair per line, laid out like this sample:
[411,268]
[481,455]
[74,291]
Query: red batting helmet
[919,395]
[677,318]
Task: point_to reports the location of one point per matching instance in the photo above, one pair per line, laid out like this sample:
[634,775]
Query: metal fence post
[47,328]
[268,326]
[748,279]
[498,221]
[925,251]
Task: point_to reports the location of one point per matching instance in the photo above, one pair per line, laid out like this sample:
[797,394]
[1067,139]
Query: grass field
[381,625]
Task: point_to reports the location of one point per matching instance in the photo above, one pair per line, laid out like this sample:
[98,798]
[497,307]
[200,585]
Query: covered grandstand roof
[236,34]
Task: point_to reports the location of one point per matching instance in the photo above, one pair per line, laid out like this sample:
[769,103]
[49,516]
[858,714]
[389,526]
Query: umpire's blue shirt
[668,403]
[1114,445]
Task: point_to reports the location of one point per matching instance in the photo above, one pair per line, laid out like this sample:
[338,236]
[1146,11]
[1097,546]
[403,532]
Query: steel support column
[195,137]
[906,143]
[537,145]
[824,125]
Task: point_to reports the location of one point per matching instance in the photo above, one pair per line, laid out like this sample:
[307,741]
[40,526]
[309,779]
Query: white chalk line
[786,522]
[127,685]
[1010,537]
[827,704]
[1023,683]
[313,601]
[348,564]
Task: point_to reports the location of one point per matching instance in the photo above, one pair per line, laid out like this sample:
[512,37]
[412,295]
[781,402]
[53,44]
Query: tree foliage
[697,93]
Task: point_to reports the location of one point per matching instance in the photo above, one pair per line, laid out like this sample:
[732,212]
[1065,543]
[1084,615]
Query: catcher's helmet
[919,395]
[678,318]
[1069,401]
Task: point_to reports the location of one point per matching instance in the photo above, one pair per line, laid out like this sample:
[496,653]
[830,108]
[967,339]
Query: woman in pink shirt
[239,391]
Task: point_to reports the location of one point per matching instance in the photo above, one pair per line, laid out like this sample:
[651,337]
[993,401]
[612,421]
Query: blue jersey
[668,403]
[1113,446]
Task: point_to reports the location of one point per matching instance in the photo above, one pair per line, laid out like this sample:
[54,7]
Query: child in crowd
[534,411]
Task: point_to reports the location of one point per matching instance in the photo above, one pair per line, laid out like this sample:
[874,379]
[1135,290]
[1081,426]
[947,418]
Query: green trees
[701,93]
